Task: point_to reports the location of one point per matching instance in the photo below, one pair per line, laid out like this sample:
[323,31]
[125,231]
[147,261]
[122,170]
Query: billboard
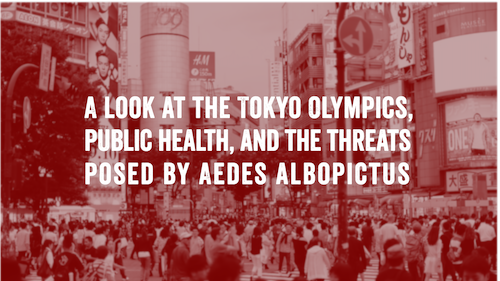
[471,134]
[276,73]
[456,30]
[103,49]
[103,46]
[202,65]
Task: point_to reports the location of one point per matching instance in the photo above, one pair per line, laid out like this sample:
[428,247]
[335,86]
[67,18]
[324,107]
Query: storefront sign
[375,189]
[463,180]
[51,24]
[202,65]
[406,52]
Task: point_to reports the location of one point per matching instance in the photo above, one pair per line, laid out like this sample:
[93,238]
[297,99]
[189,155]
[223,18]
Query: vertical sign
[166,201]
[406,52]
[123,19]
[423,66]
[52,74]
[329,32]
[276,73]
[285,68]
[43,82]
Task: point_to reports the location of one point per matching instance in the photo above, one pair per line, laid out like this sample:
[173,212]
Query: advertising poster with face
[471,130]
[103,46]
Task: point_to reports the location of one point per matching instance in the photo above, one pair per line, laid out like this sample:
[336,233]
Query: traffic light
[361,69]
[17,111]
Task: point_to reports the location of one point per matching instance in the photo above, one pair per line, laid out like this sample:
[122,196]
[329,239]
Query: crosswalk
[369,275]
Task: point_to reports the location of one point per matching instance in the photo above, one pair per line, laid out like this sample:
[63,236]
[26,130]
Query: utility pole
[341,122]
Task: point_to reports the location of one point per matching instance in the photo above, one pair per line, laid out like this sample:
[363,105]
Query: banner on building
[330,62]
[471,130]
[405,50]
[276,73]
[202,65]
[103,46]
[102,57]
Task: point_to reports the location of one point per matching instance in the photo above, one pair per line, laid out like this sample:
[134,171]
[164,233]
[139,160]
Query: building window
[318,83]
[316,38]
[75,13]
[78,47]
[67,11]
[317,61]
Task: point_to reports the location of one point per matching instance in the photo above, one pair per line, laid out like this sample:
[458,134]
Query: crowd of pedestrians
[417,249]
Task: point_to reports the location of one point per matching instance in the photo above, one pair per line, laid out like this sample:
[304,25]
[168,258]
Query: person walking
[433,258]
[300,250]
[367,234]
[356,255]
[180,258]
[317,264]
[267,246]
[144,252]
[448,268]
[415,249]
[256,247]
[46,261]
[284,247]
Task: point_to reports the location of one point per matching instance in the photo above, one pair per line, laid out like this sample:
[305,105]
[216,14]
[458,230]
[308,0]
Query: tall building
[164,59]
[457,114]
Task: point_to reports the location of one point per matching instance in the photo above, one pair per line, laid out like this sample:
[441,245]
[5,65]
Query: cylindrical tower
[165,60]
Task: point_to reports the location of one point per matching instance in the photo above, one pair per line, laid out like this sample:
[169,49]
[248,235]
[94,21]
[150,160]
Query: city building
[455,136]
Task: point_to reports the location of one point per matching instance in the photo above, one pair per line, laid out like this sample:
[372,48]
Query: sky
[242,35]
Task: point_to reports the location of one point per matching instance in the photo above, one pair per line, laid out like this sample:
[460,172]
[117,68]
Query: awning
[362,202]
[392,199]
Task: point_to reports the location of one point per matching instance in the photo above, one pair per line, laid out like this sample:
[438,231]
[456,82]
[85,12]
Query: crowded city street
[249,141]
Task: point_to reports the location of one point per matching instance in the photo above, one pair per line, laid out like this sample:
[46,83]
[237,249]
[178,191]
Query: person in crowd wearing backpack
[99,269]
[67,262]
[394,269]
[448,268]
[46,261]
[415,249]
[433,258]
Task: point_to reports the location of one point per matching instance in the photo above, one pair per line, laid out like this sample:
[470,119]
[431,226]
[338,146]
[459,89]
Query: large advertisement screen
[471,134]
[462,65]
